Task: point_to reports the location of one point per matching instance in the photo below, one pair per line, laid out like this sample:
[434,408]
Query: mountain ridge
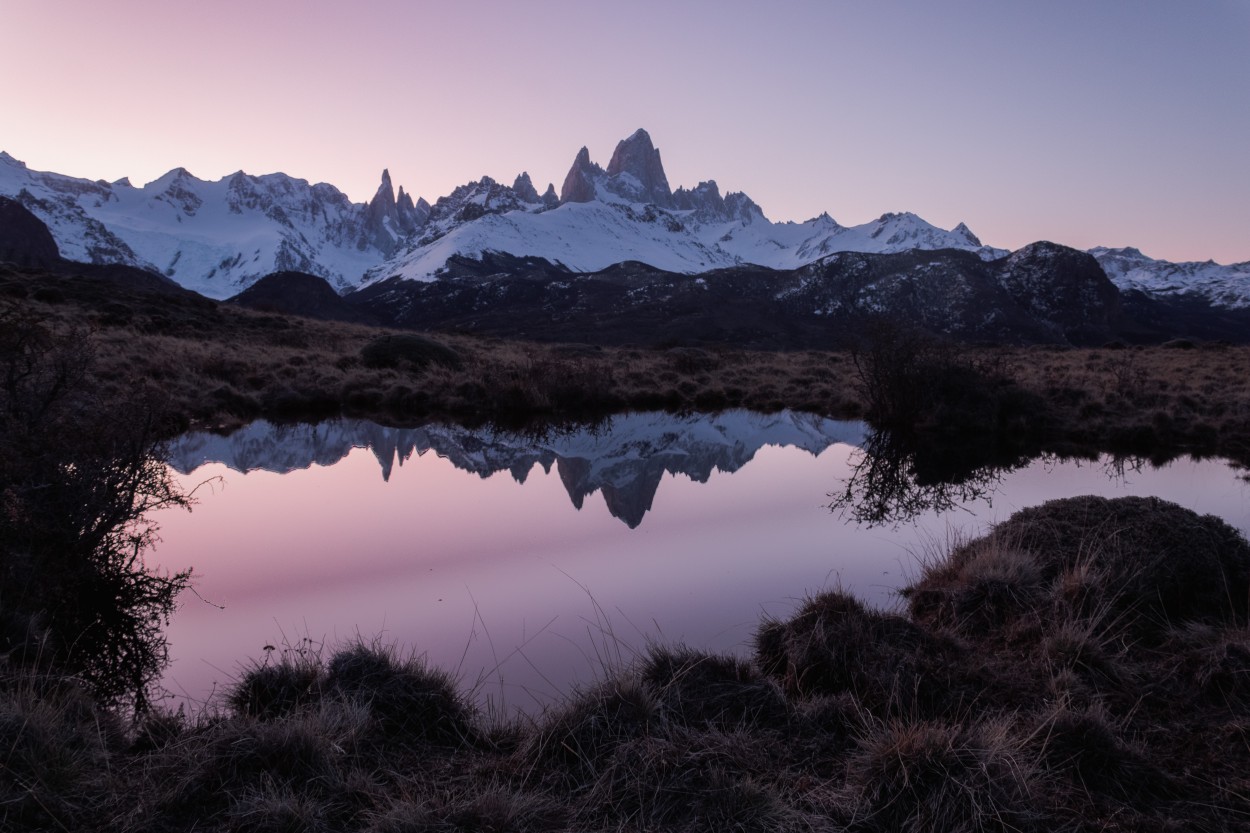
[219,237]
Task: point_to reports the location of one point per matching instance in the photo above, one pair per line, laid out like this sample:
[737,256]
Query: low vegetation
[219,366]
[1083,666]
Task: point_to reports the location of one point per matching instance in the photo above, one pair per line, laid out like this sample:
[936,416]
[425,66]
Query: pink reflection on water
[510,584]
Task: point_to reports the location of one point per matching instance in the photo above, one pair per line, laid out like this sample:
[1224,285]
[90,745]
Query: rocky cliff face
[1064,288]
[24,240]
[635,171]
[579,182]
[1042,294]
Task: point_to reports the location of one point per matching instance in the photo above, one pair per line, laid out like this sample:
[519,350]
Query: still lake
[525,564]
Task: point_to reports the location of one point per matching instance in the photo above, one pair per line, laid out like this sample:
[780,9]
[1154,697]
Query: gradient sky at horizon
[1092,122]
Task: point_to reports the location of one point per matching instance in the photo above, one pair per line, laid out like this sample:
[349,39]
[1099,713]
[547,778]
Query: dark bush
[408,349]
[914,382]
[78,479]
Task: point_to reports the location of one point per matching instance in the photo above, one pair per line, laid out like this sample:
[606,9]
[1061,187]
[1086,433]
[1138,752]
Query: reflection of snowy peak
[625,459]
[217,237]
[1225,286]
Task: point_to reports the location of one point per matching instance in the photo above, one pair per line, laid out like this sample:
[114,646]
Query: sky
[1087,122]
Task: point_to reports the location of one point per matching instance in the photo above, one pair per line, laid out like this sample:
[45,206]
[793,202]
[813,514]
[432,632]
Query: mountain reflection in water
[494,577]
[625,458]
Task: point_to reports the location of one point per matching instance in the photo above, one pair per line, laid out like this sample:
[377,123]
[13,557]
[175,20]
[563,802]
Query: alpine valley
[616,256]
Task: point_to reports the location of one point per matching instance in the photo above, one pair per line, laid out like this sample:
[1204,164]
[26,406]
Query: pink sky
[1109,123]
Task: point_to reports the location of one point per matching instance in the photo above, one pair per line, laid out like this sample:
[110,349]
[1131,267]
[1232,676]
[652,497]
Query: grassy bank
[1084,666]
[218,366]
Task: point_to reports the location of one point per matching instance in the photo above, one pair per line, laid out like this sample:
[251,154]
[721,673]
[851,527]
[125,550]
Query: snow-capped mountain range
[219,237]
[626,459]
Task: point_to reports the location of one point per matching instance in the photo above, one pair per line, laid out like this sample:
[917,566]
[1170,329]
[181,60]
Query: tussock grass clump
[693,781]
[572,742]
[55,748]
[1148,563]
[835,644]
[269,690]
[275,767]
[411,702]
[278,810]
[1086,747]
[398,350]
[1212,663]
[492,809]
[700,689]
[930,775]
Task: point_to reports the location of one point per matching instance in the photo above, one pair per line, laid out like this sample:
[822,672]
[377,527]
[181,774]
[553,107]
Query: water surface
[526,563]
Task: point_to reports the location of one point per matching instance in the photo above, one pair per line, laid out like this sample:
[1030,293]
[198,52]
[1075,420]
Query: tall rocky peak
[383,201]
[579,184]
[524,187]
[741,207]
[550,198]
[384,219]
[965,232]
[386,190]
[411,216]
[640,159]
[704,198]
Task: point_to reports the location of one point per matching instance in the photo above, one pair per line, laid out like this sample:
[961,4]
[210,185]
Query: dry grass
[220,366]
[1085,666]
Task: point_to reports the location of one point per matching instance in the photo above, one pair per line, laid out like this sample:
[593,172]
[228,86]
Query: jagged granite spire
[579,184]
[524,187]
[550,198]
[640,159]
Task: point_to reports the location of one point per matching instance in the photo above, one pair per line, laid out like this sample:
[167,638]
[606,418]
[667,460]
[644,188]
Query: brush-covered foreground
[220,366]
[1083,666]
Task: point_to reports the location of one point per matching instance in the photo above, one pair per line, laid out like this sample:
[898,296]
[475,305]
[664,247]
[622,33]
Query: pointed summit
[385,192]
[579,185]
[524,187]
[966,233]
[638,158]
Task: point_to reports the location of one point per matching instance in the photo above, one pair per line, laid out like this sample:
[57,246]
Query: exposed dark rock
[949,292]
[24,239]
[1063,287]
[637,158]
[579,184]
[524,187]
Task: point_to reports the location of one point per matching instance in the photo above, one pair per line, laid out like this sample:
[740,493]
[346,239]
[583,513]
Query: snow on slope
[213,237]
[219,237]
[585,237]
[627,212]
[1128,268]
